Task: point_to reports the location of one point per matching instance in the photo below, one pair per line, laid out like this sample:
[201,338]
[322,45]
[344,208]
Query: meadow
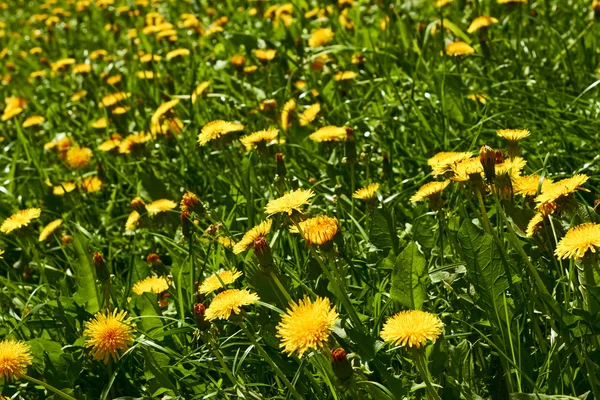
[350,199]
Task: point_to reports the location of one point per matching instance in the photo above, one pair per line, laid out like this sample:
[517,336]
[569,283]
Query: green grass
[518,323]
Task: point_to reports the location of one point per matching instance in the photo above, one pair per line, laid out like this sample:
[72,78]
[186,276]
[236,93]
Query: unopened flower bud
[350,146]
[280,169]
[262,250]
[153,259]
[201,322]
[101,270]
[185,223]
[341,365]
[487,157]
[191,202]
[138,205]
[66,239]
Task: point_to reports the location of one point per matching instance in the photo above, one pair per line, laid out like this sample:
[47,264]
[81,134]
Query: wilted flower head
[19,219]
[412,328]
[15,357]
[108,334]
[229,302]
[578,241]
[189,201]
[306,325]
[218,281]
[247,241]
[289,202]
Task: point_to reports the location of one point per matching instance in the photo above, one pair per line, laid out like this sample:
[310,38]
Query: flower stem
[280,286]
[421,364]
[219,357]
[48,387]
[268,359]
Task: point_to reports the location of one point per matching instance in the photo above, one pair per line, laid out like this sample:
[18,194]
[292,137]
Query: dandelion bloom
[132,221]
[147,75]
[63,188]
[429,189]
[443,162]
[260,230]
[478,98]
[177,53]
[78,157]
[534,224]
[130,141]
[226,242]
[15,356]
[513,135]
[219,280]
[344,76]
[189,201]
[329,134]
[228,302]
[78,95]
[286,111]
[265,55]
[289,202]
[309,114]
[412,328]
[33,120]
[92,184]
[163,109]
[49,229]
[513,167]
[459,49]
[442,3]
[100,123]
[61,64]
[366,193]
[257,138]
[81,69]
[306,325]
[512,1]
[481,22]
[159,206]
[463,170]
[318,230]
[558,190]
[152,284]
[578,241]
[199,90]
[19,219]
[320,37]
[114,98]
[215,129]
[528,185]
[114,80]
[108,333]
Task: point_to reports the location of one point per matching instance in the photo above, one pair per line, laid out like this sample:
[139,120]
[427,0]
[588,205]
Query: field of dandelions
[343,199]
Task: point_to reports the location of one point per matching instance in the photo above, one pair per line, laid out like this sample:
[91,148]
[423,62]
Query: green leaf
[484,267]
[87,294]
[538,396]
[410,277]
[381,231]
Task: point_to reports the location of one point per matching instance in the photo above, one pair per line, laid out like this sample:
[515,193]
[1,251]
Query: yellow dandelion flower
[429,189]
[81,69]
[512,1]
[108,334]
[92,184]
[289,202]
[309,114]
[78,95]
[218,281]
[215,129]
[578,241]
[15,357]
[286,112]
[226,242]
[63,188]
[78,157]
[265,55]
[513,135]
[250,69]
[229,302]
[11,112]
[159,206]
[49,229]
[100,123]
[481,22]
[177,53]
[412,328]
[512,166]
[127,144]
[199,90]
[163,109]
[442,3]
[114,98]
[329,134]
[147,75]
[345,76]
[318,230]
[109,144]
[320,37]
[96,54]
[152,284]
[114,80]
[260,230]
[119,110]
[459,49]
[146,58]
[366,193]
[463,170]
[443,162]
[560,189]
[478,98]
[33,120]
[19,219]
[528,185]
[61,64]
[132,221]
[258,138]
[306,325]
[534,224]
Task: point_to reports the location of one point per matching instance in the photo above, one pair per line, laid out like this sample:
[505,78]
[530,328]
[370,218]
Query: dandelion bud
[153,259]
[262,250]
[101,270]
[138,205]
[238,61]
[185,223]
[201,322]
[487,157]
[190,202]
[350,146]
[66,239]
[341,365]
[280,168]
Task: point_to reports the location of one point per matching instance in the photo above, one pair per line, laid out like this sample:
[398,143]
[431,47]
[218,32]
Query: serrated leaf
[87,294]
[381,230]
[409,278]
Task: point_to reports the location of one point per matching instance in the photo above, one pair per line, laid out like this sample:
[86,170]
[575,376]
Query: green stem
[219,357]
[48,387]
[268,359]
[421,364]
[280,286]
